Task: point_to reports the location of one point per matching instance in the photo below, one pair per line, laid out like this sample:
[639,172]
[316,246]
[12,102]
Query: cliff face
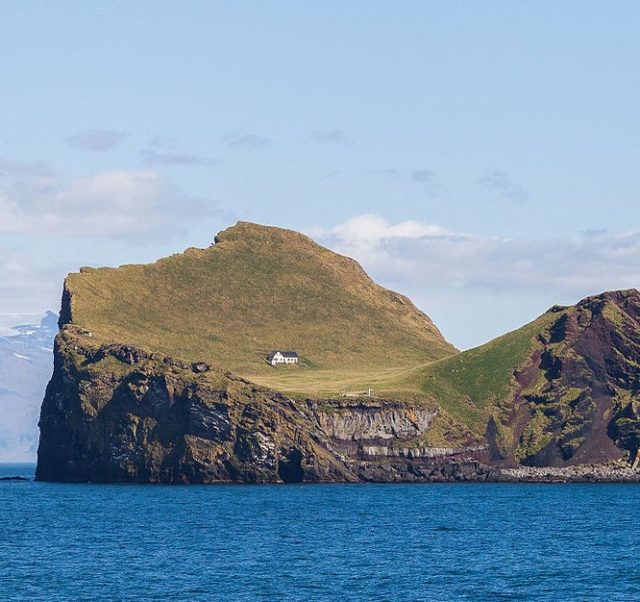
[576,399]
[119,414]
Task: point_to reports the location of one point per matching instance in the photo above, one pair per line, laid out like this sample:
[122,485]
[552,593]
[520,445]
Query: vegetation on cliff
[562,389]
[475,382]
[117,413]
[160,374]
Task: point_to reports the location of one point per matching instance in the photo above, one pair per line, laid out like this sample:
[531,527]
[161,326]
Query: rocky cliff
[555,400]
[576,399]
[118,413]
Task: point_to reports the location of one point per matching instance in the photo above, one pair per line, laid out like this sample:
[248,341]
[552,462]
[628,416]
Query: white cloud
[135,204]
[366,238]
[24,288]
[370,229]
[417,253]
[477,287]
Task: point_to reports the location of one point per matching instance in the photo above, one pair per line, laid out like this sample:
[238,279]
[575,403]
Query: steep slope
[120,414]
[543,403]
[561,390]
[256,289]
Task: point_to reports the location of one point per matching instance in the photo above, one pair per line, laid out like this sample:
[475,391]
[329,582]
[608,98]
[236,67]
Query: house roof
[283,353]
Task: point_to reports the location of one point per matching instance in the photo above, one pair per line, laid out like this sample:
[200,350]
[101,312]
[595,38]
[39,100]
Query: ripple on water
[404,542]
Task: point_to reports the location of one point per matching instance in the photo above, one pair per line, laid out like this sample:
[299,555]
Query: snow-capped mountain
[26,363]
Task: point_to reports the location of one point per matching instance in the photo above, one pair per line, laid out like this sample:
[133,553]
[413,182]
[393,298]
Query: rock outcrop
[576,400]
[151,384]
[120,414]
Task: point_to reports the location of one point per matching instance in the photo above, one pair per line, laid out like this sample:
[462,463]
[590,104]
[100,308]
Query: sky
[480,157]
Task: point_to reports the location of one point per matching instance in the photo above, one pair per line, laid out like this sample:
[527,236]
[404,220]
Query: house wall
[283,360]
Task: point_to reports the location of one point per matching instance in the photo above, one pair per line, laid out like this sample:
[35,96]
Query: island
[165,373]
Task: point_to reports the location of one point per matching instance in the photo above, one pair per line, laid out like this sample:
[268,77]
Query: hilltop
[259,288]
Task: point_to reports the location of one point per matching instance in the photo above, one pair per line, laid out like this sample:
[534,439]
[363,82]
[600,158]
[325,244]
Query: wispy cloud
[332,136]
[330,175]
[96,140]
[424,176]
[415,253]
[244,140]
[15,167]
[386,172]
[125,204]
[154,157]
[504,187]
[160,141]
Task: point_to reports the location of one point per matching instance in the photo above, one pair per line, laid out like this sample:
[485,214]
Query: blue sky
[481,157]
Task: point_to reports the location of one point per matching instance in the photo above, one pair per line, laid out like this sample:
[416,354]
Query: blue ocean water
[318,542]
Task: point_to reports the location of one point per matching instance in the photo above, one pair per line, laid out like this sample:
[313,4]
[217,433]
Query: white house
[282,357]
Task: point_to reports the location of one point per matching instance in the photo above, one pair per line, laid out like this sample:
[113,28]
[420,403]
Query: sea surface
[318,542]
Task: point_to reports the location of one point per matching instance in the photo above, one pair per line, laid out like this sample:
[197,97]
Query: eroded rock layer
[576,399]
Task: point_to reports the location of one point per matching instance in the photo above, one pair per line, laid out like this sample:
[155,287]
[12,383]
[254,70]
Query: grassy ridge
[261,288]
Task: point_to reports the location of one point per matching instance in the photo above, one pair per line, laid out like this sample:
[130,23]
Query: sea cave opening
[290,467]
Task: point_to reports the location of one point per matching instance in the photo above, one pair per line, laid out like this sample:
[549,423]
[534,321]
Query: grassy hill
[561,389]
[471,384]
[256,289]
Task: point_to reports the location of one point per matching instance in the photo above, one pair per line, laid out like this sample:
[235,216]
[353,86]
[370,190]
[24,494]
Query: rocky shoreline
[477,472]
[473,471]
[582,473]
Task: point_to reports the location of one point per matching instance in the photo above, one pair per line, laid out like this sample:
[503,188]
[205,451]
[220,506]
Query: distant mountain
[26,363]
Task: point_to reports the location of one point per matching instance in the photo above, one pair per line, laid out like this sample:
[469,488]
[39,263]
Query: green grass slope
[256,289]
[470,385]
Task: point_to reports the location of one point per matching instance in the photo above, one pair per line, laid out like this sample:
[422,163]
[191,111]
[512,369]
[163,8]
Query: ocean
[317,542]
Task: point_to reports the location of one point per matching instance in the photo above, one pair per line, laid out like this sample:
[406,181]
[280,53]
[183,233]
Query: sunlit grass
[261,289]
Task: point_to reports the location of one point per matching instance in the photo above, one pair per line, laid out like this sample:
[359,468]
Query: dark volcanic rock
[583,397]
